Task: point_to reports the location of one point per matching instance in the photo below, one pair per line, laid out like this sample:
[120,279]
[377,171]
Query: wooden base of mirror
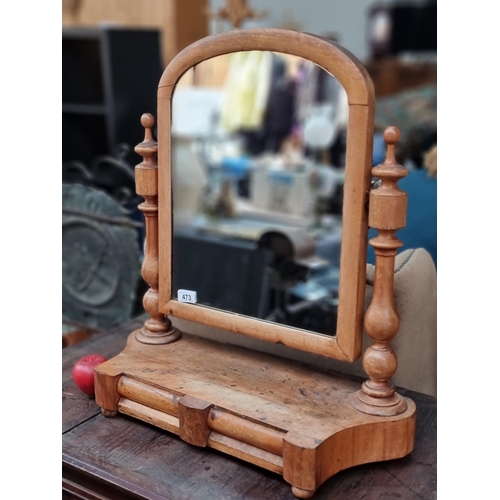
[292,419]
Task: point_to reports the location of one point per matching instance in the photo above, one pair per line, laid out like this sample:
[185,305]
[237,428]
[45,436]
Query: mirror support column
[158,328]
[387,214]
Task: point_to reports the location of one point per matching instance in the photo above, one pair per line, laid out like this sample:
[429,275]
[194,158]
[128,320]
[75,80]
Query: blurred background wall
[184,21]
[181,21]
[315,16]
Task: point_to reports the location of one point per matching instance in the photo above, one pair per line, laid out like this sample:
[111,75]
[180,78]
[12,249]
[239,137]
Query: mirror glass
[258,157]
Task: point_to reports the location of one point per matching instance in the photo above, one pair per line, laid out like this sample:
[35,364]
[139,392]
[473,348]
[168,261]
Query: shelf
[107,84]
[82,78]
[85,109]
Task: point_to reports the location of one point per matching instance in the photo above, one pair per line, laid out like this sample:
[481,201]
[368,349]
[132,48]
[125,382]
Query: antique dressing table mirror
[297,421]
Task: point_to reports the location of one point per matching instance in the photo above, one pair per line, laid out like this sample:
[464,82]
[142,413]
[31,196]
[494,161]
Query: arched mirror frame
[346,344]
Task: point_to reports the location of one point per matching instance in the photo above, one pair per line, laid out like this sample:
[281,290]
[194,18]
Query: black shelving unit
[110,77]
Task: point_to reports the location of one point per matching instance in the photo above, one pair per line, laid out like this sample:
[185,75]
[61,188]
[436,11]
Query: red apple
[83,372]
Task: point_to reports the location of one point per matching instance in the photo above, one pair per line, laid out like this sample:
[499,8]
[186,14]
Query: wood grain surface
[339,62]
[125,458]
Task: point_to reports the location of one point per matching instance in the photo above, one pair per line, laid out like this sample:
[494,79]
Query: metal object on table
[100,258]
[294,259]
[110,173]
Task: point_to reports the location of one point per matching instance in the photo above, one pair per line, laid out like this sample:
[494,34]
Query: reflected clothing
[421,218]
[246,90]
[281,102]
[278,116]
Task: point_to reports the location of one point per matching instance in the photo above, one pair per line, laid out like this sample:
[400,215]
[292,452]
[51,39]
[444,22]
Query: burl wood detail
[387,214]
[157,329]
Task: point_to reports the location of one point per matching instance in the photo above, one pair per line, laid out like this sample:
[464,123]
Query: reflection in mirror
[258,157]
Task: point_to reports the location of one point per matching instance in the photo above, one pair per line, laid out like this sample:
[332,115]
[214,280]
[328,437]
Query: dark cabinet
[110,77]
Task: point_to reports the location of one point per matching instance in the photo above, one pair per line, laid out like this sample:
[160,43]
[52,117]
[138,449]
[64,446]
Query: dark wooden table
[123,458]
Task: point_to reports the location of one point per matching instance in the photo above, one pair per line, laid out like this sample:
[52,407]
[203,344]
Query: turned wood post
[157,329]
[387,214]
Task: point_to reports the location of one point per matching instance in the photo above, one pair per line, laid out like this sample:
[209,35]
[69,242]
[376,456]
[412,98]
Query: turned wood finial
[387,214]
[147,121]
[157,329]
[391,137]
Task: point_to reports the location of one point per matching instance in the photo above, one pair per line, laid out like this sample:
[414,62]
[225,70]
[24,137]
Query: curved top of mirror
[346,344]
[327,54]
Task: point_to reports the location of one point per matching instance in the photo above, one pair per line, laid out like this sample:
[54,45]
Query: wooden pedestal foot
[143,335]
[381,407]
[109,413]
[299,493]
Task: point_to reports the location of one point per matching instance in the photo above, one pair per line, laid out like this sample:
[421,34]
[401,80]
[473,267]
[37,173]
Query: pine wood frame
[294,420]
[346,344]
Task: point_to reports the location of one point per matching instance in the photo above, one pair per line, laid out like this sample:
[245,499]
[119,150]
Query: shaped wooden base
[285,417]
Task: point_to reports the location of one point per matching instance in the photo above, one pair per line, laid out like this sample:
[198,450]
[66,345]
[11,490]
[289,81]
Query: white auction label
[186,296]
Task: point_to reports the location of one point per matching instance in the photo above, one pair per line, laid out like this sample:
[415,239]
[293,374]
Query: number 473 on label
[186,296]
